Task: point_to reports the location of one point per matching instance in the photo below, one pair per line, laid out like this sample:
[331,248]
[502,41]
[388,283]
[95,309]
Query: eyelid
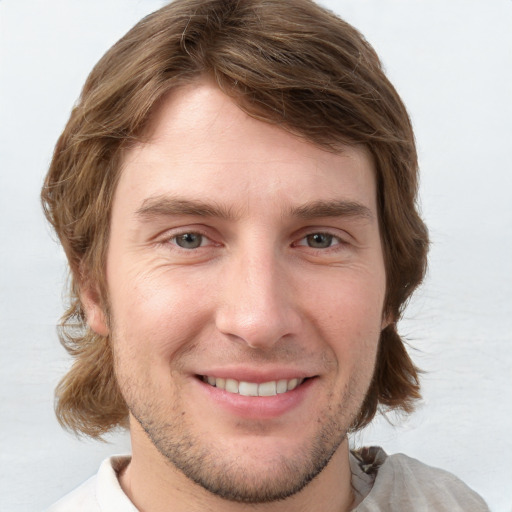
[325,233]
[339,234]
[203,240]
[169,236]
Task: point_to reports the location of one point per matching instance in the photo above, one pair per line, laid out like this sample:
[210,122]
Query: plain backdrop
[451,60]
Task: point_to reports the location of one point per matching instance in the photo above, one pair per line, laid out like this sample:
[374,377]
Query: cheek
[349,317]
[156,313]
[347,300]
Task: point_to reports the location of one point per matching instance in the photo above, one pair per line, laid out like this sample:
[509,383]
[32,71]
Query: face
[246,286]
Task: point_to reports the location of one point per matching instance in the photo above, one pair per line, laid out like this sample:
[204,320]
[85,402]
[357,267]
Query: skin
[238,249]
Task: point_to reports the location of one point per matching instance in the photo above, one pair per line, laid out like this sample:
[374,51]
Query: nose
[257,301]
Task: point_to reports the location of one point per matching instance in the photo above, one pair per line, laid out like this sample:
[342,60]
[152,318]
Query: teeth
[248,389]
[282,386]
[292,384]
[270,388]
[267,389]
[231,386]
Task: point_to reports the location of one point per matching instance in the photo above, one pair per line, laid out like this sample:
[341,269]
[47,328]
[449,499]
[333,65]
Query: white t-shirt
[381,483]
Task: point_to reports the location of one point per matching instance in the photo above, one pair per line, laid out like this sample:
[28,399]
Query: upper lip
[256,376]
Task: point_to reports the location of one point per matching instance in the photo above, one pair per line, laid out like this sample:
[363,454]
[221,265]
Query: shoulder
[101,492]
[404,483]
[82,499]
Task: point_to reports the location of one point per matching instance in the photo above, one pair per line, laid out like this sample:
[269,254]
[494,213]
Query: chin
[262,481]
[258,469]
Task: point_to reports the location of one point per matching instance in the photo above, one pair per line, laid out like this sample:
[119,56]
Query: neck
[152,483]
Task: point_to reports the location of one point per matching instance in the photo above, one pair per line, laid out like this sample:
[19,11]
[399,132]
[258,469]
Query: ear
[94,312]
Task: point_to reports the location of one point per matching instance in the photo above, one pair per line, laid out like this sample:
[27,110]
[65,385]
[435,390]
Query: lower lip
[257,407]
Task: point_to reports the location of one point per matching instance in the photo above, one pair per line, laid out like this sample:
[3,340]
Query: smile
[270,388]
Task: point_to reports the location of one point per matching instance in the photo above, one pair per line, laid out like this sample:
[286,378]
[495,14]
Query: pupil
[320,240]
[189,240]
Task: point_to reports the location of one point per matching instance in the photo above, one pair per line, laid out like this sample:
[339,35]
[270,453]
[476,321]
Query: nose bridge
[257,305]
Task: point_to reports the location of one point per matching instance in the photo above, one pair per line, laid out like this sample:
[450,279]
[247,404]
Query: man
[235,192]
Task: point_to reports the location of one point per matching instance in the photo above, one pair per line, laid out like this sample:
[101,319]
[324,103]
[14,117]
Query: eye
[319,240]
[189,240]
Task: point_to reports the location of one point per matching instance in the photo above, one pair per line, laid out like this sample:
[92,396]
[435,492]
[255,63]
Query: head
[292,65]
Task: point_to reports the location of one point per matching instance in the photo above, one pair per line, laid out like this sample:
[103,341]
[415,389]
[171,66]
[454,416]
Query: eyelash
[171,238]
[302,242]
[330,239]
[174,239]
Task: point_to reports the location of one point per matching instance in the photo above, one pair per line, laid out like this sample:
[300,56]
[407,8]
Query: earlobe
[94,312]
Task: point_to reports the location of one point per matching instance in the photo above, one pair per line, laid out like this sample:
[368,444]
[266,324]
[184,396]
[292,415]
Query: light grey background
[451,60]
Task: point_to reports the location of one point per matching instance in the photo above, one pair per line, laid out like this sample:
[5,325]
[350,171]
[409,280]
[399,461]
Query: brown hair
[291,63]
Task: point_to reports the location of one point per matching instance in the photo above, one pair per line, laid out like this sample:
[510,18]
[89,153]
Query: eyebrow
[171,206]
[167,206]
[336,208]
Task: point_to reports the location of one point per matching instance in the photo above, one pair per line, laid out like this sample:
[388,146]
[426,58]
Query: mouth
[270,388]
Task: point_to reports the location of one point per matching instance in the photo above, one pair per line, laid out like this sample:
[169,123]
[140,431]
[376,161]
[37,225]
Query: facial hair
[234,482]
[224,476]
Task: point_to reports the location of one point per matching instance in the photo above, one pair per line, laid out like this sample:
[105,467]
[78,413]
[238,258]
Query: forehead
[200,143]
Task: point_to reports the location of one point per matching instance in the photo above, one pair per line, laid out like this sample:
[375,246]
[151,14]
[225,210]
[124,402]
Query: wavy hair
[292,64]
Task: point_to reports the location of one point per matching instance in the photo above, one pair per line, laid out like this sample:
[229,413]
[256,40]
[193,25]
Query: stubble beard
[222,473]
